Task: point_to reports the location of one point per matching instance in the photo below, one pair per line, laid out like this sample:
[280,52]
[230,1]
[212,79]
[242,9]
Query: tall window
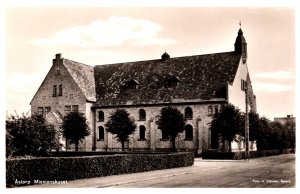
[142,115]
[47,110]
[54,90]
[164,135]
[142,132]
[60,90]
[40,110]
[243,85]
[67,109]
[210,110]
[101,116]
[217,109]
[188,132]
[101,133]
[188,113]
[75,108]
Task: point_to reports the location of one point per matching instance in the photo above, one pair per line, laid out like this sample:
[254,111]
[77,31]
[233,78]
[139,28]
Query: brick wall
[153,137]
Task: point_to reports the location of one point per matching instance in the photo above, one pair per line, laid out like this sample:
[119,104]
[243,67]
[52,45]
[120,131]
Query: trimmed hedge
[213,154]
[71,168]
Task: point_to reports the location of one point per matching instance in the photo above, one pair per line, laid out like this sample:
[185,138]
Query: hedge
[71,168]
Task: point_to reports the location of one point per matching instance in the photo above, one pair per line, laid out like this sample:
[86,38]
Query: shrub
[71,168]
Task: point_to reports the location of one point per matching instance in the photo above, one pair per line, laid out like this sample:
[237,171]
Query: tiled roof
[201,77]
[83,76]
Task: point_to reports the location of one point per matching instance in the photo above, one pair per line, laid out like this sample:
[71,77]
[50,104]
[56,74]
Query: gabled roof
[83,75]
[203,77]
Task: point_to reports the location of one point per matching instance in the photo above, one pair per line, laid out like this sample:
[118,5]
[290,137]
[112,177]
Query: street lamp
[246,125]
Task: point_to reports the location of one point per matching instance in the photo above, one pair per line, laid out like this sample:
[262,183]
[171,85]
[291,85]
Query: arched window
[188,112]
[101,133]
[188,132]
[142,115]
[101,116]
[217,109]
[164,135]
[142,132]
[210,110]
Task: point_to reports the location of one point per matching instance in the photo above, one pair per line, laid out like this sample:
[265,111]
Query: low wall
[20,172]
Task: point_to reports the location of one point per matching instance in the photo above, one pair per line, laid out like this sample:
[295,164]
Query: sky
[105,35]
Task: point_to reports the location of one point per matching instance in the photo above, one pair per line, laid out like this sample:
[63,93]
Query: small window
[164,135]
[173,81]
[142,132]
[40,110]
[47,110]
[188,113]
[216,109]
[54,90]
[210,110]
[243,85]
[75,108]
[101,116]
[188,132]
[60,90]
[67,109]
[101,133]
[142,115]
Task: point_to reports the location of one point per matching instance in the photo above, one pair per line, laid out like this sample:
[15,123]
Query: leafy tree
[121,125]
[29,136]
[75,128]
[228,123]
[171,121]
[254,126]
[290,127]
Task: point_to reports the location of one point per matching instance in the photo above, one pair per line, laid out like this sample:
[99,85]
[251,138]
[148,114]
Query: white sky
[96,36]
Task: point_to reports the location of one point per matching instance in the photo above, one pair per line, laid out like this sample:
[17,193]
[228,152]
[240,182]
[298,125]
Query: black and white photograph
[143,96]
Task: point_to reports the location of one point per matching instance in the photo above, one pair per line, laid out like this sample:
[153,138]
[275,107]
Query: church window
[67,109]
[101,133]
[188,113]
[75,108]
[216,109]
[210,110]
[60,90]
[164,135]
[142,132]
[54,90]
[243,85]
[142,115]
[40,110]
[101,116]
[47,109]
[188,132]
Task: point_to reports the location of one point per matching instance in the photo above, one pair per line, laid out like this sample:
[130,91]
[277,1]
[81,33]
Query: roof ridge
[150,60]
[78,62]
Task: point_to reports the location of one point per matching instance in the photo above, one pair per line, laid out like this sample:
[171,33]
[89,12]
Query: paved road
[273,171]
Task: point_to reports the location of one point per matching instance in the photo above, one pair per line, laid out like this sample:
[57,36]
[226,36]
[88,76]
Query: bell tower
[240,45]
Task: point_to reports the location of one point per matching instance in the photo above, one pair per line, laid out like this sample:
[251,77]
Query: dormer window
[173,81]
[131,84]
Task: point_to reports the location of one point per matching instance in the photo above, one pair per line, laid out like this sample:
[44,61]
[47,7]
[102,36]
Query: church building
[196,85]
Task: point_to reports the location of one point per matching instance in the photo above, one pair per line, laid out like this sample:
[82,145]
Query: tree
[290,127]
[228,123]
[75,128]
[121,125]
[29,136]
[254,126]
[172,122]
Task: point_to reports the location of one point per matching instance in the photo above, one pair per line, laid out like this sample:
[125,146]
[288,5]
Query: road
[267,172]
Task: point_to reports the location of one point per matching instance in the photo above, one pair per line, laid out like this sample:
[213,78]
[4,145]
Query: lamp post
[246,125]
